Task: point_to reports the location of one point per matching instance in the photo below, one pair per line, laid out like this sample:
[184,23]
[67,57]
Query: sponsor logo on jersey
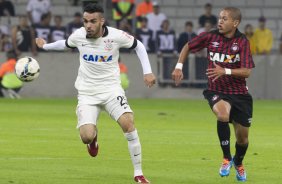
[97,58]
[215,44]
[224,58]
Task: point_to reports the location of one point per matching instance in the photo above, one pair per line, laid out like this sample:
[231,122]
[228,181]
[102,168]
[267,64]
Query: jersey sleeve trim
[134,44]
[69,45]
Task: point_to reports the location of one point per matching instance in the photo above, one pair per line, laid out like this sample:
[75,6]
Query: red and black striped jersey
[228,53]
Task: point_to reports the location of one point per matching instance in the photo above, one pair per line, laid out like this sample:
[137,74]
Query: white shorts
[89,107]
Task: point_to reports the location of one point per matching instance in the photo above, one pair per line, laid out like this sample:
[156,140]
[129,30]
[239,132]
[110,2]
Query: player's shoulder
[240,35]
[112,31]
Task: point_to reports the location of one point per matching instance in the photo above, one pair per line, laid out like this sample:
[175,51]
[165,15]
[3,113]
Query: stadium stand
[179,11]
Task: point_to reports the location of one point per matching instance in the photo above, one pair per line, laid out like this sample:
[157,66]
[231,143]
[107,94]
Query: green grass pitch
[39,144]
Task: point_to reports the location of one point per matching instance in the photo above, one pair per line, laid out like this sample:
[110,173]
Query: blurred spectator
[125,26]
[201,56]
[166,44]
[36,8]
[249,32]
[5,39]
[6,8]
[183,39]
[123,10]
[142,10]
[263,37]
[208,16]
[10,85]
[185,36]
[166,39]
[207,27]
[3,28]
[58,32]
[43,30]
[5,43]
[75,24]
[155,19]
[145,35]
[23,37]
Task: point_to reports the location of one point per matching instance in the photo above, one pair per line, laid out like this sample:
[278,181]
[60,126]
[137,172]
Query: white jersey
[99,70]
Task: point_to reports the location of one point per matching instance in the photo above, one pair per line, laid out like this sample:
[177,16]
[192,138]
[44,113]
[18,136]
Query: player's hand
[177,76]
[40,42]
[216,72]
[149,79]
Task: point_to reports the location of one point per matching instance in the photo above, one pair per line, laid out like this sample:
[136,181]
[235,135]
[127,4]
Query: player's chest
[99,46]
[224,52]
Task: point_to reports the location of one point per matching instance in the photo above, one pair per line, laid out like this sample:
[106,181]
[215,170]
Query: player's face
[93,23]
[226,24]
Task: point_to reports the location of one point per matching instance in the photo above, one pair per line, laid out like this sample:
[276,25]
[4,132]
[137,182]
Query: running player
[230,62]
[98,81]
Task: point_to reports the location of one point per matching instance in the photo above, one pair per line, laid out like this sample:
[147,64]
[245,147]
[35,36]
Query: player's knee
[242,140]
[126,122]
[223,117]
[87,137]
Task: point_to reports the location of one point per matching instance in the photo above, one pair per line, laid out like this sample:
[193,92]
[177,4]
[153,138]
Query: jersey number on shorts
[122,100]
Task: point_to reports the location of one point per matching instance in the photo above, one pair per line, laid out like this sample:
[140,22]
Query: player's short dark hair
[189,23]
[234,12]
[93,8]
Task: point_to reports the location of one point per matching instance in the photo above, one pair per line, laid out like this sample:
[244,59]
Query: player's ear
[103,20]
[236,23]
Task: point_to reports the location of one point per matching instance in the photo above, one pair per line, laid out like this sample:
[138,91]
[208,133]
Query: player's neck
[101,33]
[230,34]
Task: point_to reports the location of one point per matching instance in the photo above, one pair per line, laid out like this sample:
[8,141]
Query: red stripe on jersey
[228,53]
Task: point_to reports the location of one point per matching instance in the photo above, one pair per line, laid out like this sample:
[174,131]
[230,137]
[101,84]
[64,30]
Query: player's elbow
[247,73]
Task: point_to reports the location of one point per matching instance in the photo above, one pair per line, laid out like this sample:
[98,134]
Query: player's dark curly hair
[93,8]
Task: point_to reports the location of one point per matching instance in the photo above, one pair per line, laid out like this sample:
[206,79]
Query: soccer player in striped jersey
[98,80]
[230,63]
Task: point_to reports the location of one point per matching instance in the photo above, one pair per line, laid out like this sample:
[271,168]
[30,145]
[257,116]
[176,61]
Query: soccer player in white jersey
[98,81]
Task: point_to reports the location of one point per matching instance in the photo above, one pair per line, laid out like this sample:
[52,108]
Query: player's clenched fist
[40,42]
[177,76]
[149,79]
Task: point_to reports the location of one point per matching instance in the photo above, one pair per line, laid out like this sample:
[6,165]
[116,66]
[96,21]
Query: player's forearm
[58,45]
[239,72]
[182,57]
[143,57]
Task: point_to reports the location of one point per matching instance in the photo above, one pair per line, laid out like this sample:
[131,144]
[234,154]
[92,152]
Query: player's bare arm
[149,79]
[218,71]
[177,74]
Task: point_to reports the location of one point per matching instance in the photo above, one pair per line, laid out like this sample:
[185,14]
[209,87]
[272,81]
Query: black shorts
[241,106]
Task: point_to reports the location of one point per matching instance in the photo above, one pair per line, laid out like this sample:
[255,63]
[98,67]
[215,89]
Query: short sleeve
[71,41]
[125,40]
[245,55]
[199,42]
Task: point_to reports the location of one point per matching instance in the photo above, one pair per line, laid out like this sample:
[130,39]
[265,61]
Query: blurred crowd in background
[143,19]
